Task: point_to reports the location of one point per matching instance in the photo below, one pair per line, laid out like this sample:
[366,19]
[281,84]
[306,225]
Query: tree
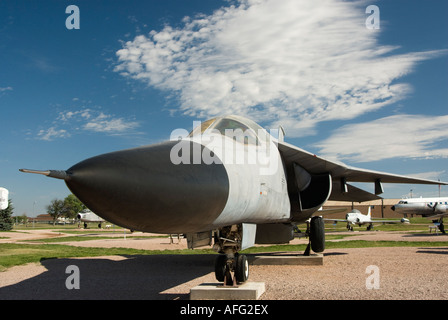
[73,206]
[57,209]
[6,217]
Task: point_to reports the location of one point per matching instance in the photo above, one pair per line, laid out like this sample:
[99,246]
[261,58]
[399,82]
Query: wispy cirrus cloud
[291,62]
[397,136]
[52,133]
[4,89]
[87,120]
[108,124]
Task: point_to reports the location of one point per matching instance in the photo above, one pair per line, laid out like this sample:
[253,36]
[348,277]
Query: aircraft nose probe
[57,174]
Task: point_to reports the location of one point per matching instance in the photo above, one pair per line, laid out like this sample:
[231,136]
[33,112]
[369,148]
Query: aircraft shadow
[134,278]
[335,254]
[423,235]
[434,250]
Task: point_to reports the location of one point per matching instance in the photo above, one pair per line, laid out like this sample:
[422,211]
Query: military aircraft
[355,217]
[431,208]
[4,198]
[88,216]
[228,182]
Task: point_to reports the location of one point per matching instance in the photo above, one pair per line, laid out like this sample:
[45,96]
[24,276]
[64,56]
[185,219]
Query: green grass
[85,238]
[12,254]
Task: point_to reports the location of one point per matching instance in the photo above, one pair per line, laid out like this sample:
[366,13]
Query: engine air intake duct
[314,190]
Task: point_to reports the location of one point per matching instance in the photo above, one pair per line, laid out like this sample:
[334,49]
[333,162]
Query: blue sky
[136,70]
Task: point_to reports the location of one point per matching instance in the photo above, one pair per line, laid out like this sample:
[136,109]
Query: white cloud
[107,124]
[291,62]
[5,89]
[431,175]
[407,136]
[87,120]
[52,133]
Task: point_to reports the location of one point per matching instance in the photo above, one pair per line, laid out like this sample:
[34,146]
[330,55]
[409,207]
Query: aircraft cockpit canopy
[238,128]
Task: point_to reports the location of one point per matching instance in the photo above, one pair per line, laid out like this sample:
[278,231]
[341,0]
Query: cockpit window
[229,127]
[200,129]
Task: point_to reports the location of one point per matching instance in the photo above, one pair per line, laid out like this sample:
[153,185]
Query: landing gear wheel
[220,268]
[242,268]
[317,234]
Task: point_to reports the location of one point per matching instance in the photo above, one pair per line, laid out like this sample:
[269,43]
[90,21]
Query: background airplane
[227,182]
[3,198]
[88,216]
[355,217]
[431,208]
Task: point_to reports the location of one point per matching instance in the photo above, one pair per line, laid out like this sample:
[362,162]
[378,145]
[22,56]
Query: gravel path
[403,273]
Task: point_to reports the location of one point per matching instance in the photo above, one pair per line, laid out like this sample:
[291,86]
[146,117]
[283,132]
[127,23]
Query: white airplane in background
[3,198]
[431,208]
[355,217]
[88,216]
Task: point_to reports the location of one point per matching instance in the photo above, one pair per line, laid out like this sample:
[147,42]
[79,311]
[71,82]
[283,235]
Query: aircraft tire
[317,234]
[220,267]
[242,268]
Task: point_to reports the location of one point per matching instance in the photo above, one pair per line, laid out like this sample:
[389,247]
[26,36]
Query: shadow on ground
[134,277]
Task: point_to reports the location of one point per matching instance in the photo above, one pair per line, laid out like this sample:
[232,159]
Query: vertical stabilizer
[281,134]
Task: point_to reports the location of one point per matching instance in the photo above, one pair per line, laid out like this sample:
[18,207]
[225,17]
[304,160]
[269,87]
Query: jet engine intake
[310,193]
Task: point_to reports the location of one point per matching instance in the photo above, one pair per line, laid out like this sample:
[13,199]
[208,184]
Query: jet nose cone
[393,208]
[141,189]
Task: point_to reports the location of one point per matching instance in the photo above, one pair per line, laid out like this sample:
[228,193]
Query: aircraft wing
[436,215]
[322,211]
[342,173]
[387,221]
[335,220]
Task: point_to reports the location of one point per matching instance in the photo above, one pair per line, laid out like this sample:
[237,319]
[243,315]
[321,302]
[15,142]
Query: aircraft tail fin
[369,213]
[281,134]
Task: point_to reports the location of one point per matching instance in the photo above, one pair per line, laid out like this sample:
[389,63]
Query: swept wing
[342,173]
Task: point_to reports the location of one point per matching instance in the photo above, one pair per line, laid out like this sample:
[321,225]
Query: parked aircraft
[4,198]
[228,182]
[88,216]
[355,217]
[431,208]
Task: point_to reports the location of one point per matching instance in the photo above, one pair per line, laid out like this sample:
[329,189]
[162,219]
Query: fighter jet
[228,183]
[431,208]
[88,216]
[355,217]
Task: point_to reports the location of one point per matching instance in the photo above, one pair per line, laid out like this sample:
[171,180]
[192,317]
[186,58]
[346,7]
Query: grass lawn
[12,254]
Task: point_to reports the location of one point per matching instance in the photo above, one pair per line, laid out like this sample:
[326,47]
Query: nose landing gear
[228,243]
[237,264]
